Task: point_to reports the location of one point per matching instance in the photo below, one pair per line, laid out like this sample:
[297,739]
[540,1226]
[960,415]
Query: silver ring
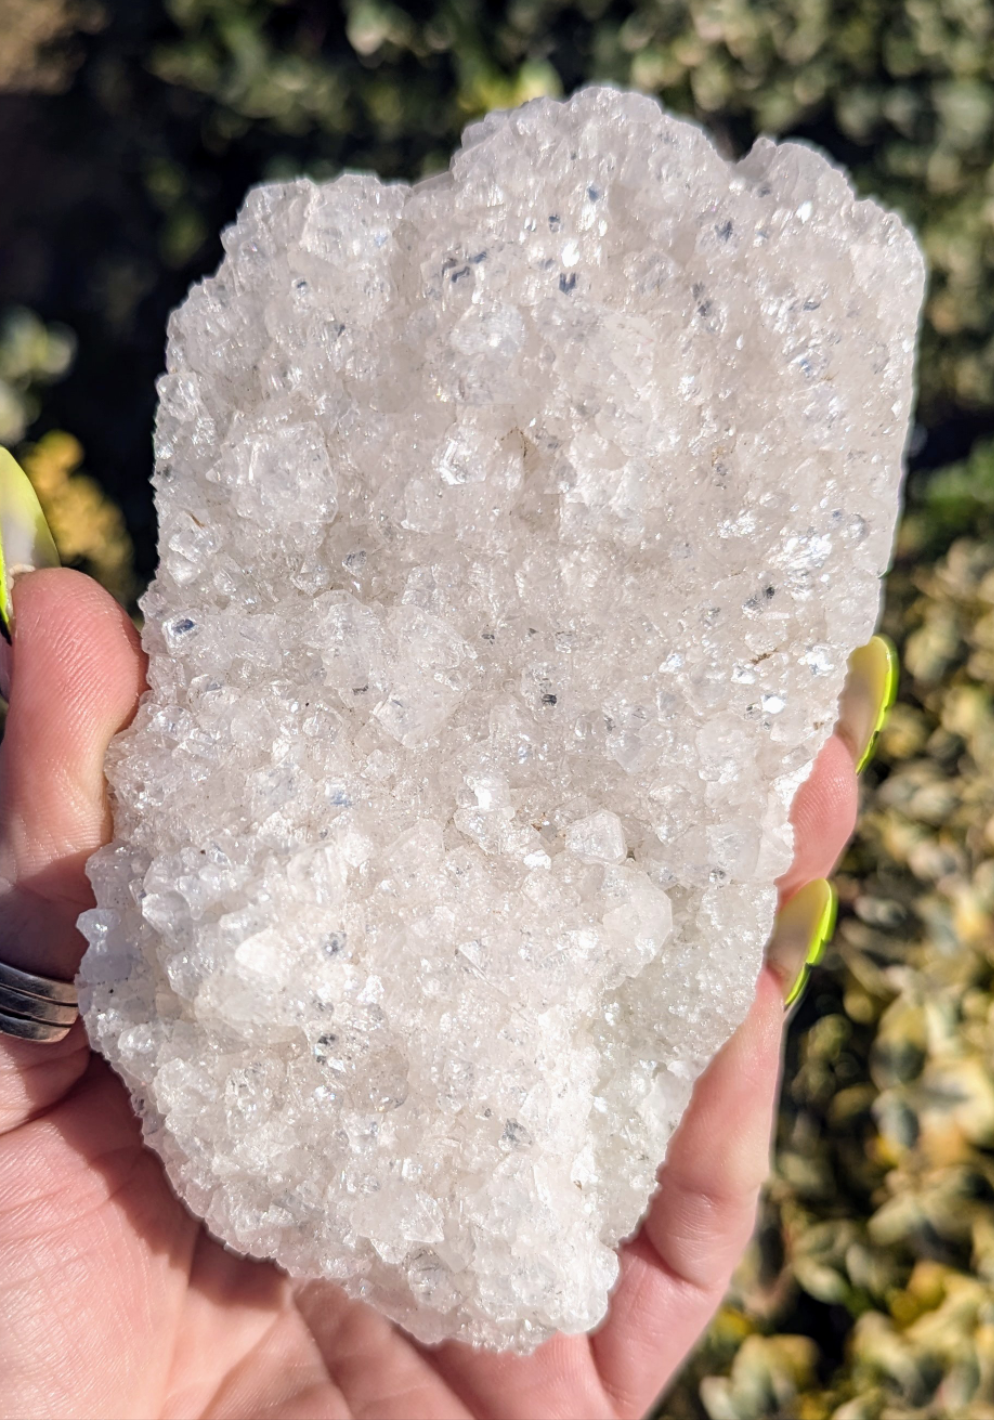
[36,1008]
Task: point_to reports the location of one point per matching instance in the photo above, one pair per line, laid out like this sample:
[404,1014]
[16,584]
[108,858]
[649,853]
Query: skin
[116,1303]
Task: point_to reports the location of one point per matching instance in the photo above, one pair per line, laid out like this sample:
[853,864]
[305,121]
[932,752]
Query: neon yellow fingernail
[26,542]
[803,927]
[869,692]
[825,925]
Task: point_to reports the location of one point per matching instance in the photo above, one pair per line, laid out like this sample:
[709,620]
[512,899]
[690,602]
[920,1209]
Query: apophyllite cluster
[516,527]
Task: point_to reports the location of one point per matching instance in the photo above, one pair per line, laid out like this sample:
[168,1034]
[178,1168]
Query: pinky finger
[675,1271]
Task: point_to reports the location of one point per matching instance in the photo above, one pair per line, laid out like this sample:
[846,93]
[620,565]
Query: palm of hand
[117,1302]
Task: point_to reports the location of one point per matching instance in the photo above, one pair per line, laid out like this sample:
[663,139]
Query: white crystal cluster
[515,530]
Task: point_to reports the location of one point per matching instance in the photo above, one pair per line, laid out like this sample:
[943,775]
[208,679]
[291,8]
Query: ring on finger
[37,1008]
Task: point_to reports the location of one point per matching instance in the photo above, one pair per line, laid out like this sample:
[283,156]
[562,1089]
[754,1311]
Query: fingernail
[26,543]
[868,694]
[804,925]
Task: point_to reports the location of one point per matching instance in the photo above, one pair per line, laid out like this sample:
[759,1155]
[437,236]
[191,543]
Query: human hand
[116,1302]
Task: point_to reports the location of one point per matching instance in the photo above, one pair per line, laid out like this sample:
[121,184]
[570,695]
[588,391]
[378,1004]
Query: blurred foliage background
[129,131]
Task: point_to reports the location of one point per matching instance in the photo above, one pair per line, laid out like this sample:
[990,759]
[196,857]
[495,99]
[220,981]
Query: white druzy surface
[515,530]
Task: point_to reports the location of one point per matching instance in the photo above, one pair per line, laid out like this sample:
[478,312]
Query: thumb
[77,671]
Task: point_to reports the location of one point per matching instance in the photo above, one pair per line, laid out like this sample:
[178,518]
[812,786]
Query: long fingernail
[804,925]
[26,543]
[868,694]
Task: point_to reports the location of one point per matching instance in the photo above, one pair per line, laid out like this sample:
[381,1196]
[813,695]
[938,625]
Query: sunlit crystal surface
[515,530]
